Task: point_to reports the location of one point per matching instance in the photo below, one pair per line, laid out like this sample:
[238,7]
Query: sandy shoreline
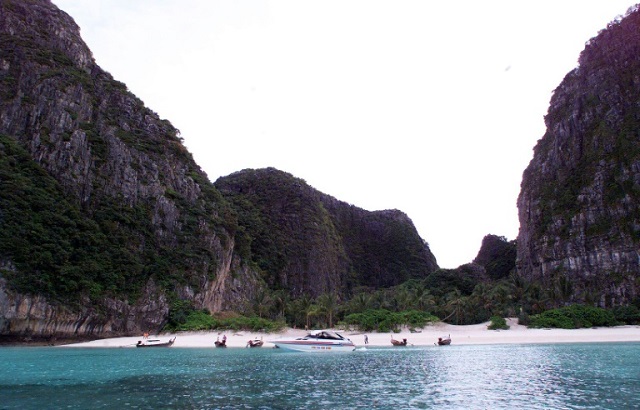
[460,335]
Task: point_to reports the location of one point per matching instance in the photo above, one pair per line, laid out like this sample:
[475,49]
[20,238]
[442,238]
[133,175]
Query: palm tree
[401,299]
[423,299]
[536,299]
[312,310]
[481,299]
[298,309]
[328,305]
[519,285]
[456,302]
[360,303]
[281,299]
[502,295]
[377,300]
[262,302]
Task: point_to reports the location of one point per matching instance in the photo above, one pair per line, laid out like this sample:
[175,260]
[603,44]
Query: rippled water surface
[564,376]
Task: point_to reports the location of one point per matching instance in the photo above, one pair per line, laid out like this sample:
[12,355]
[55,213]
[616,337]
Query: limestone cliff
[310,243]
[105,216]
[106,222]
[497,256]
[579,206]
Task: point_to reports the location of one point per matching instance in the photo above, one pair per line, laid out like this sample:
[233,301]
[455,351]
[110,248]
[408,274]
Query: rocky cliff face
[579,205]
[106,220]
[138,211]
[497,256]
[309,242]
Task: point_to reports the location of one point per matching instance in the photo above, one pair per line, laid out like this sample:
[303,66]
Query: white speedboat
[155,343]
[317,341]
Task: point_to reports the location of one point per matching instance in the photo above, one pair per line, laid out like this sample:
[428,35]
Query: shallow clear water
[564,376]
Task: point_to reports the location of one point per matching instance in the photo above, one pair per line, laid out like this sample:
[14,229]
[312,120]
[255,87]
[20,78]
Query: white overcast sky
[430,107]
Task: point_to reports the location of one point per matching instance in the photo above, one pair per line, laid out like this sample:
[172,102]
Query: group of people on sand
[218,343]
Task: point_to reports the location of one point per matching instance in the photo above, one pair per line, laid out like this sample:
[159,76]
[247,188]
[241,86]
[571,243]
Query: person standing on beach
[366,339]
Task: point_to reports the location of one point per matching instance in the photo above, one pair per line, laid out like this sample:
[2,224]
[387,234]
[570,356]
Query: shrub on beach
[197,320]
[498,323]
[417,319]
[253,323]
[573,317]
[629,315]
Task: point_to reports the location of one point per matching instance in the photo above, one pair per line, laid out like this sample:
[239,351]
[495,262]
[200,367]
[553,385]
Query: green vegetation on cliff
[280,222]
[66,253]
[308,242]
[98,195]
[56,251]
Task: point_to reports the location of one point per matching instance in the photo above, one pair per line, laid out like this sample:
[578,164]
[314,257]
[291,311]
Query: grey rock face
[103,146]
[579,205]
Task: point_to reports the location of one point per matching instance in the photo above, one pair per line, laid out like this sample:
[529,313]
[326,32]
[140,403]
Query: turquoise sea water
[563,376]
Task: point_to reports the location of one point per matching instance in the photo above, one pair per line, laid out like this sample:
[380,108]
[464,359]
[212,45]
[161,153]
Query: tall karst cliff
[105,216]
[579,205]
[308,242]
[106,220]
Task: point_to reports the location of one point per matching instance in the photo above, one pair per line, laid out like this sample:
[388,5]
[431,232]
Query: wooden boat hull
[444,342]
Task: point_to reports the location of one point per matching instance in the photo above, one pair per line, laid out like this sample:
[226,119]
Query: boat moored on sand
[317,341]
[395,342]
[155,343]
[255,342]
[444,341]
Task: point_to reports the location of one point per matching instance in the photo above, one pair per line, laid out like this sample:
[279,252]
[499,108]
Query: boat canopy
[325,334]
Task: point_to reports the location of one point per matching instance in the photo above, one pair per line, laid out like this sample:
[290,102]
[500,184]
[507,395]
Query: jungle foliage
[574,317]
[57,252]
[71,255]
[184,317]
[462,296]
[382,320]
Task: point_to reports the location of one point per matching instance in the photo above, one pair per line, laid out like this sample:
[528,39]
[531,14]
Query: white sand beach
[460,335]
